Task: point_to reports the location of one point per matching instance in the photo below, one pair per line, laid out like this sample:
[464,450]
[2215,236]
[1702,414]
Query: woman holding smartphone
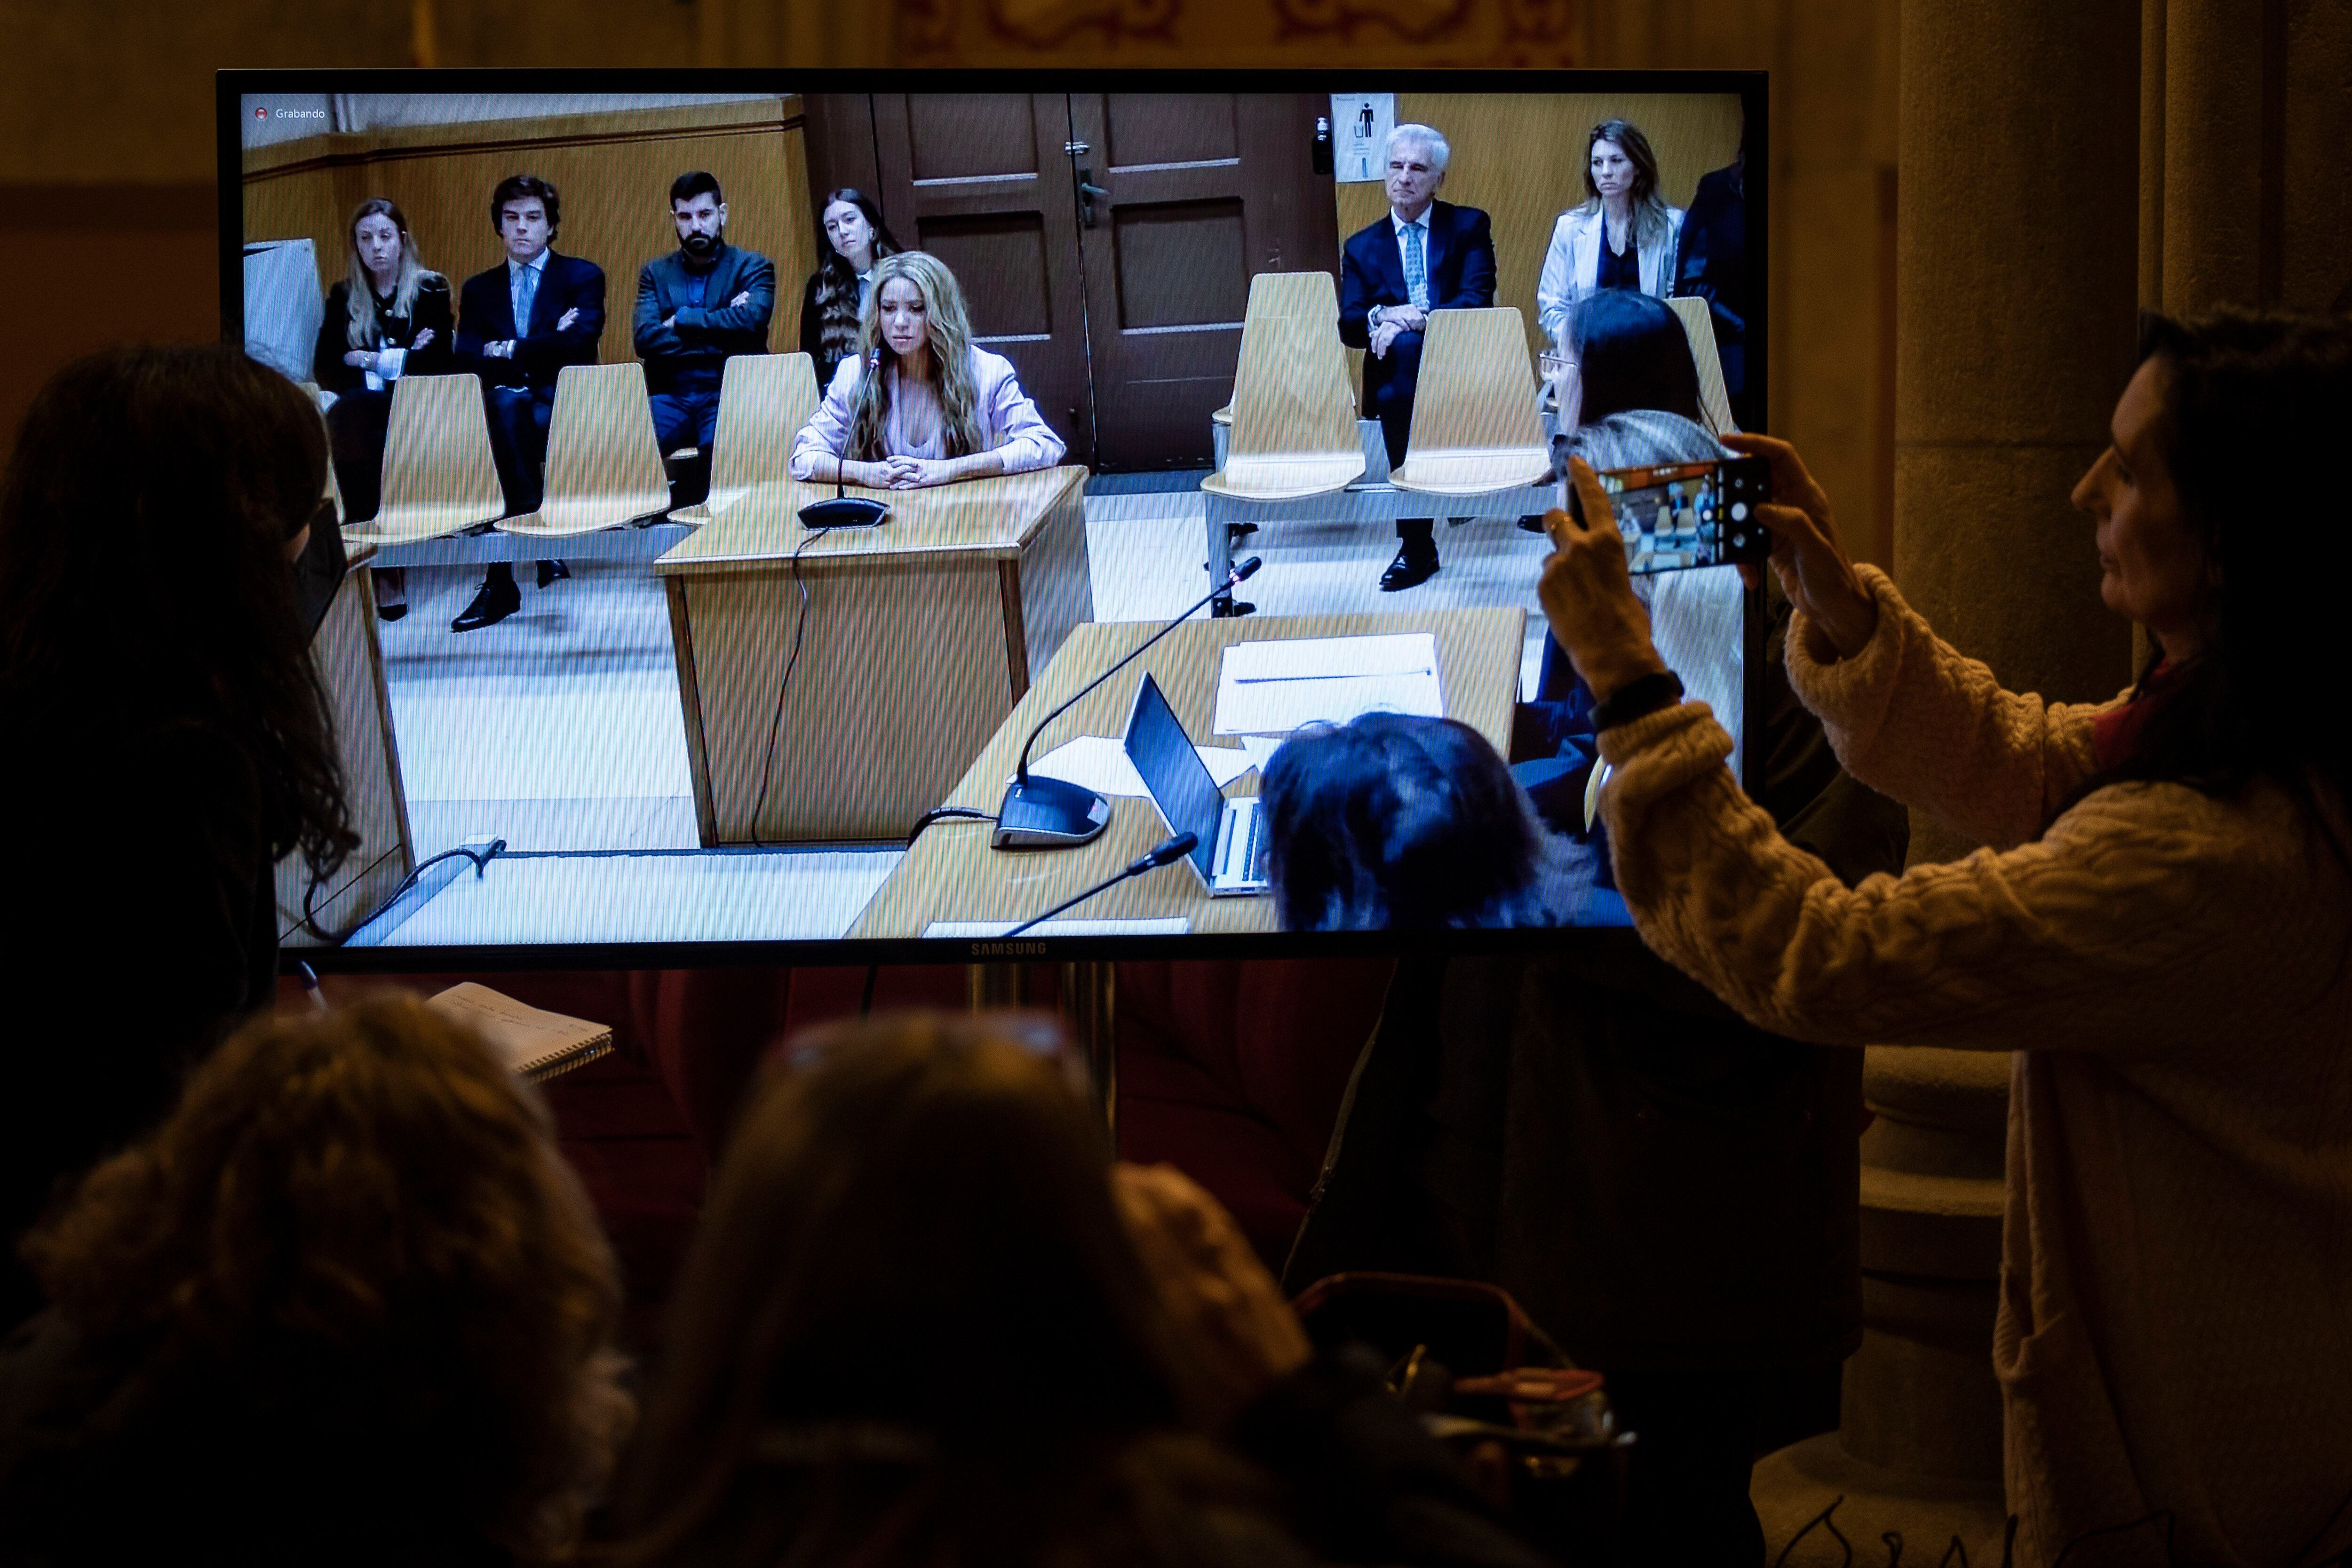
[2159,927]
[920,404]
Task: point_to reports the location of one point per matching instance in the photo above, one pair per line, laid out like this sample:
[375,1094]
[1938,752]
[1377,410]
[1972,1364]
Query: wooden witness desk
[921,635]
[951,874]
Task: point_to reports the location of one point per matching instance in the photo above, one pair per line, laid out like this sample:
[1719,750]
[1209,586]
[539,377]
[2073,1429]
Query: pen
[310,978]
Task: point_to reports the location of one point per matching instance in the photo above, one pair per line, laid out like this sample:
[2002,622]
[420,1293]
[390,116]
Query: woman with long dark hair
[1623,236]
[926,1322]
[348,1304]
[390,317]
[920,404]
[855,237]
[169,738]
[2159,927]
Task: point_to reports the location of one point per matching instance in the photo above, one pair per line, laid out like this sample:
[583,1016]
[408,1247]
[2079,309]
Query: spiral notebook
[536,1044]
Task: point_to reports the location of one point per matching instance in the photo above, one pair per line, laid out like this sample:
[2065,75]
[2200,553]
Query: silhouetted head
[912,1299]
[1632,353]
[1396,822]
[360,1294]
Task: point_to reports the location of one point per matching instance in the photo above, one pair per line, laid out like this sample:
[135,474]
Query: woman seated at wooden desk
[920,404]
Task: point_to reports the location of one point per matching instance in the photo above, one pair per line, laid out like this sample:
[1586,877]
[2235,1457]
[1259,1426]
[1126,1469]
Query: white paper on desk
[1174,925]
[1275,686]
[1260,750]
[1100,762]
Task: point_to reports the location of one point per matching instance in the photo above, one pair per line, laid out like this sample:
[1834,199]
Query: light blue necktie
[526,290]
[1416,270]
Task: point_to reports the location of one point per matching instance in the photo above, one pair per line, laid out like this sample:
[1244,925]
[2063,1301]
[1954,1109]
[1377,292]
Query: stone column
[2017,270]
[2224,188]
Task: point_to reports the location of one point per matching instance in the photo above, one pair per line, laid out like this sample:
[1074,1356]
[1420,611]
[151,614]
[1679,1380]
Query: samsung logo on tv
[1008,950]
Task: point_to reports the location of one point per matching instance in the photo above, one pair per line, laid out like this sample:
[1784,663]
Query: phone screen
[1676,516]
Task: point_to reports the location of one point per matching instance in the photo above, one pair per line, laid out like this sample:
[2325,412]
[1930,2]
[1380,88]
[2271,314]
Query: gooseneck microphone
[842,511]
[1044,813]
[1167,852]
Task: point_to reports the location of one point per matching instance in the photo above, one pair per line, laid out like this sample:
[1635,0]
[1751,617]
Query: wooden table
[951,874]
[921,635]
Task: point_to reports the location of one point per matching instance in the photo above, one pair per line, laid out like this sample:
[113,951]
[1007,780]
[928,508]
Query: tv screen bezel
[1752,88]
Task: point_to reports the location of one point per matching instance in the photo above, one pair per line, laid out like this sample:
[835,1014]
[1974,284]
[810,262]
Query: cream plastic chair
[438,476]
[1294,421]
[1285,294]
[1474,424]
[604,463]
[763,402]
[1713,397]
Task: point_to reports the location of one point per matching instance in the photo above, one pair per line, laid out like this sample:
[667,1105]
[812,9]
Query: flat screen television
[1106,349]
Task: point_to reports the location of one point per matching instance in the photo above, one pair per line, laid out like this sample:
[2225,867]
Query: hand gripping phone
[1676,516]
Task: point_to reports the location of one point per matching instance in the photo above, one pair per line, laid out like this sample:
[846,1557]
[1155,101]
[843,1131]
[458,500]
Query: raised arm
[1912,718]
[2084,939]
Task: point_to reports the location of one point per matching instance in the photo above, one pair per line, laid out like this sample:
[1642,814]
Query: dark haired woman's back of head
[1400,822]
[1632,353]
[347,1304]
[914,1328]
[170,735]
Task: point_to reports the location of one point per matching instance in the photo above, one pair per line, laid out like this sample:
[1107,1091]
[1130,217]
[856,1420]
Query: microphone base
[1040,812]
[844,511]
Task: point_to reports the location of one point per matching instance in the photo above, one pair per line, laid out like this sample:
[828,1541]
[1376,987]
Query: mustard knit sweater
[2174,973]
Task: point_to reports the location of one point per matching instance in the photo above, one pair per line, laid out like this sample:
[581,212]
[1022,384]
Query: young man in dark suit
[1425,255]
[518,326]
[697,307]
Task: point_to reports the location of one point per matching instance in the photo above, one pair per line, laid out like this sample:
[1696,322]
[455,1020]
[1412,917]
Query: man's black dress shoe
[392,612]
[494,603]
[1411,569]
[1531,522]
[552,571]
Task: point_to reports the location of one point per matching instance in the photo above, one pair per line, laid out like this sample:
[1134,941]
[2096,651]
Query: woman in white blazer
[919,404]
[1623,236]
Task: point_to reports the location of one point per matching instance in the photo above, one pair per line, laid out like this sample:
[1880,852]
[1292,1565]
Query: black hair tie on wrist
[1638,698]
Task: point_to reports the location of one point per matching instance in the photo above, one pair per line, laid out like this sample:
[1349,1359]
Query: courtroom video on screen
[807,517]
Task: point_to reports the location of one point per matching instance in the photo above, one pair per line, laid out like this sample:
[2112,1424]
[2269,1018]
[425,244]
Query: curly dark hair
[144,517]
[2253,401]
[358,1289]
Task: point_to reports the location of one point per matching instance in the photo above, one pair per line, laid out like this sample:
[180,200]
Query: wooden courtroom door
[1122,310]
[982,182]
[1200,190]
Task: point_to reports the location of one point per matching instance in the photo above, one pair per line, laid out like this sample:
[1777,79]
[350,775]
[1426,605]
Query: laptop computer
[1230,859]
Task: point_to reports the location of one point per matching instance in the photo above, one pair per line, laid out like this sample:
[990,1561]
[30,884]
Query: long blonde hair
[949,335]
[365,331]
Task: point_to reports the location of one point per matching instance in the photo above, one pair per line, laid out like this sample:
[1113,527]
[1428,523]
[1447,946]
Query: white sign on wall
[1361,123]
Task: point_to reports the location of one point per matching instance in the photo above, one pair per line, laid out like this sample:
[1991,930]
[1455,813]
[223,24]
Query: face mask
[319,570]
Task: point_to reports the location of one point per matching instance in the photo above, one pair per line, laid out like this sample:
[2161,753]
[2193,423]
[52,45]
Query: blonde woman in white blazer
[1623,236]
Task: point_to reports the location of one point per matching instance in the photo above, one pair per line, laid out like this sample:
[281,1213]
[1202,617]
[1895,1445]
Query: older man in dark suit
[518,326]
[1425,255]
[698,306]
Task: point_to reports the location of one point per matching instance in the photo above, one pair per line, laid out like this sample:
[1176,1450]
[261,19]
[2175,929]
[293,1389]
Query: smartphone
[1677,516]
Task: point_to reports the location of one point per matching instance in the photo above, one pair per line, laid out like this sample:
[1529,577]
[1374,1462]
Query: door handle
[1088,192]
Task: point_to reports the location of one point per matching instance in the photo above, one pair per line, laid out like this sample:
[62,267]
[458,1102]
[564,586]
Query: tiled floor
[559,730]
